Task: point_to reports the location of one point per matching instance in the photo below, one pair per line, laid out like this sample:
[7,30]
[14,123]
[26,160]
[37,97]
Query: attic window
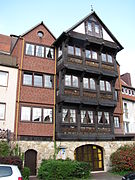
[40,34]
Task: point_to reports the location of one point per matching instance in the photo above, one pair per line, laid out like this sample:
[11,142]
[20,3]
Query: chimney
[126,78]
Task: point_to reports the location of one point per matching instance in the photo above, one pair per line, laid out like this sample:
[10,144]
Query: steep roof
[36,27]
[100,21]
[5,43]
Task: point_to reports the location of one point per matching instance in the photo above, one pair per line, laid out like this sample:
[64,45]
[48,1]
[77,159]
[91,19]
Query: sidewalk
[105,176]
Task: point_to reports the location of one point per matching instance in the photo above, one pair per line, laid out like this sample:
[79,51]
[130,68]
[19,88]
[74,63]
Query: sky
[18,16]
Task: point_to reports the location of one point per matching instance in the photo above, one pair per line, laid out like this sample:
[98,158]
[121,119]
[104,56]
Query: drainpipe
[54,114]
[19,89]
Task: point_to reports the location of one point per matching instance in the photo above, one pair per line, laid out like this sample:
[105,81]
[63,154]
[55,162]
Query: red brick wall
[39,96]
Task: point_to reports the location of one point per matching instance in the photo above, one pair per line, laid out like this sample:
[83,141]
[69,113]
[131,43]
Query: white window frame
[29,81]
[3,78]
[51,51]
[25,113]
[2,111]
[48,114]
[36,114]
[31,53]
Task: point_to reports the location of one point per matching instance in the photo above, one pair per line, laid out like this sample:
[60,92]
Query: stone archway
[30,161]
[92,154]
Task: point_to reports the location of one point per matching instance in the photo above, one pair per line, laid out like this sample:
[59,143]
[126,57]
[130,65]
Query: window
[91,54]
[126,110]
[38,80]
[49,53]
[6,172]
[71,50]
[122,90]
[97,30]
[126,127]
[77,51]
[106,58]
[27,79]
[103,117]
[30,49]
[105,86]
[59,51]
[93,28]
[116,122]
[106,116]
[89,83]
[25,113]
[92,84]
[47,115]
[36,114]
[71,80]
[86,116]
[48,81]
[40,34]
[102,85]
[40,51]
[89,28]
[133,92]
[69,115]
[2,111]
[116,95]
[3,78]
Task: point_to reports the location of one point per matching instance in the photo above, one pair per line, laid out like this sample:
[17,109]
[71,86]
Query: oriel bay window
[105,86]
[36,114]
[103,117]
[71,80]
[86,117]
[89,83]
[37,80]
[69,115]
[39,51]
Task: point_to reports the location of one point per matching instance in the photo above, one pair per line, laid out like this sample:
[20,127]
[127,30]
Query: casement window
[27,79]
[25,113]
[59,51]
[74,50]
[71,80]
[3,78]
[29,49]
[48,81]
[86,117]
[89,83]
[116,95]
[126,127]
[116,122]
[105,86]
[89,54]
[106,58]
[40,51]
[49,53]
[38,80]
[69,115]
[36,114]
[47,115]
[92,28]
[103,117]
[2,111]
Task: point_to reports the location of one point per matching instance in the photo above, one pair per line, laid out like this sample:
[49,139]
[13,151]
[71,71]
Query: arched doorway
[30,161]
[92,154]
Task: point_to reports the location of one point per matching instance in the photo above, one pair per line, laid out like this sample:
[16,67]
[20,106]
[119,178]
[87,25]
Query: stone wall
[45,149]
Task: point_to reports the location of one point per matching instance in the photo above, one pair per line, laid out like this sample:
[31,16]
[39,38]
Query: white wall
[131,115]
[8,96]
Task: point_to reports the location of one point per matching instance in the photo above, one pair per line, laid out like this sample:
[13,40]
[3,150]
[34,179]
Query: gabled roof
[36,27]
[101,22]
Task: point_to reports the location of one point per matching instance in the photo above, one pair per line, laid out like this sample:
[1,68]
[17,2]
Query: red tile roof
[5,42]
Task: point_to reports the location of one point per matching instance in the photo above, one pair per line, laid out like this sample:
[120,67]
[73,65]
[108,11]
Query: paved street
[105,176]
[97,176]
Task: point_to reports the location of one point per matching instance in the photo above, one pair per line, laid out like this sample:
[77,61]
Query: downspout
[54,109]
[19,89]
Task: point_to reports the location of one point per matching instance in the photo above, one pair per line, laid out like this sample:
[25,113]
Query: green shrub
[123,159]
[63,170]
[26,173]
[4,149]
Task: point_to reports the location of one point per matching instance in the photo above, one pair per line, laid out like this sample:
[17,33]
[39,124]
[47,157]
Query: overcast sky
[18,16]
